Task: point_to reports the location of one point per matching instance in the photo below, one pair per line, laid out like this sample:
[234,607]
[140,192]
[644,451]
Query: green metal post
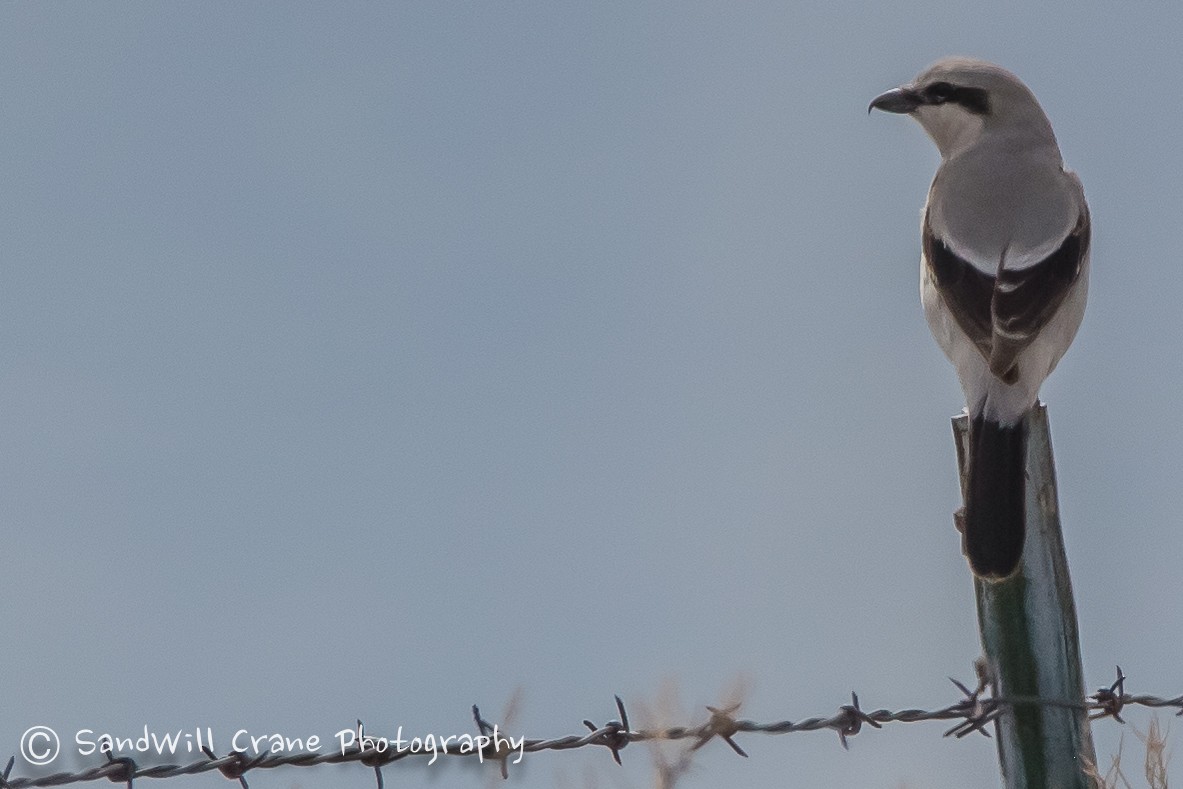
[1029,636]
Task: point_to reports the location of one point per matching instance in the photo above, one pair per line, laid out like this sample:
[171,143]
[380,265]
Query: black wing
[966,290]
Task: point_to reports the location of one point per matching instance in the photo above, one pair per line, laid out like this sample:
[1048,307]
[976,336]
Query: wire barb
[1112,699]
[126,771]
[236,764]
[978,712]
[614,734]
[851,720]
[494,750]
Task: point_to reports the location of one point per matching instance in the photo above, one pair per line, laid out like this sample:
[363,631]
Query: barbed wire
[973,712]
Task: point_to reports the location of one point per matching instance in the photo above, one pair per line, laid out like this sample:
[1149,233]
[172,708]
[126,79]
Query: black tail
[995,515]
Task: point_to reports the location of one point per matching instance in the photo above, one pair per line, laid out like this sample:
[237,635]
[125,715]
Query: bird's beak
[902,100]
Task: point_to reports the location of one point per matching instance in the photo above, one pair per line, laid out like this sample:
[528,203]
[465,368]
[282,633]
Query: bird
[1004,264]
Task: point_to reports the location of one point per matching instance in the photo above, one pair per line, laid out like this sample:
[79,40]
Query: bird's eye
[939,92]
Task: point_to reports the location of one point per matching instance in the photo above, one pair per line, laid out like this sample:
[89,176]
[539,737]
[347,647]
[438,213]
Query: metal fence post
[1029,636]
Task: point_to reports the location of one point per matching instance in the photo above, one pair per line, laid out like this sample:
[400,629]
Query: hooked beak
[900,100]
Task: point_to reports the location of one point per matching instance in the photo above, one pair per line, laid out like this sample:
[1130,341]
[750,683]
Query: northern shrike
[1003,274]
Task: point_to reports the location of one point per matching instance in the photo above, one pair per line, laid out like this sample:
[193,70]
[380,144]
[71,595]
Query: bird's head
[957,100]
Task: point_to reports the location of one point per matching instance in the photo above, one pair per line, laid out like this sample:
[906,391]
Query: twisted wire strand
[971,714]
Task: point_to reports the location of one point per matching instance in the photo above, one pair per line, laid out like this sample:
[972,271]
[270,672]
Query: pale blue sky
[375,360]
